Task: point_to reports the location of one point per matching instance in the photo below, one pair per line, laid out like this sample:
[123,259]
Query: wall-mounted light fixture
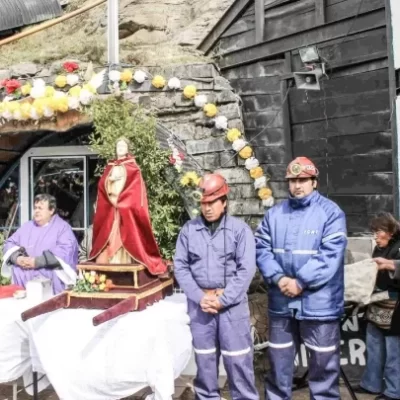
[309,54]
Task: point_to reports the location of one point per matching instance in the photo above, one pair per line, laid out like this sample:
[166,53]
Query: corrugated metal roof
[17,13]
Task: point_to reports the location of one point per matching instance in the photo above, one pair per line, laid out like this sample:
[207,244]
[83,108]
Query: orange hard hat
[301,167]
[213,187]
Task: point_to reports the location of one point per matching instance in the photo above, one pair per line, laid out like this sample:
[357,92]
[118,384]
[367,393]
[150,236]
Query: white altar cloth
[116,359]
[107,362]
[15,360]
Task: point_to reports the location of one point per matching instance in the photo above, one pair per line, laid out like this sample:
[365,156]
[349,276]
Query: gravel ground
[6,394]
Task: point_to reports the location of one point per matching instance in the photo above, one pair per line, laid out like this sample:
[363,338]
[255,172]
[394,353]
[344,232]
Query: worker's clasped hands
[26,262]
[210,304]
[289,287]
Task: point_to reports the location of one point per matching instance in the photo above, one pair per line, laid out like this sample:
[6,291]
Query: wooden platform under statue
[116,288]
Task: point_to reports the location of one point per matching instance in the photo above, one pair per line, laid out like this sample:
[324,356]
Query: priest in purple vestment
[44,247]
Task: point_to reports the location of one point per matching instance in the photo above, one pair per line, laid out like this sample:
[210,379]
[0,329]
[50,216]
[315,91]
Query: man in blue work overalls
[300,252]
[214,265]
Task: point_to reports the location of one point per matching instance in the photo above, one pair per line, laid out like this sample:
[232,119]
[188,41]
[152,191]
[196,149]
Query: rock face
[152,32]
[184,22]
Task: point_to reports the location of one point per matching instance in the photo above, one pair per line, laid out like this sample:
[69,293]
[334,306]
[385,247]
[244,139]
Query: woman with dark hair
[382,372]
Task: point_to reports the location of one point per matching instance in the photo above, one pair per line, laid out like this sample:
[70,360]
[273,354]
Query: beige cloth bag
[359,283]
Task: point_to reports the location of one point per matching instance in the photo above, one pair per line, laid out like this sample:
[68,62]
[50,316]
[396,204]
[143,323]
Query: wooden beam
[393,113]
[62,123]
[320,17]
[335,30]
[287,131]
[233,12]
[260,20]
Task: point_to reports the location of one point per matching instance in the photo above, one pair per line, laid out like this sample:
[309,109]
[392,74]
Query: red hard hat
[213,186]
[301,167]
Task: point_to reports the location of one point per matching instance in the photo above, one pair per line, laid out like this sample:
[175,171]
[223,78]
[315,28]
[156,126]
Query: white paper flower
[114,76]
[85,97]
[34,115]
[238,144]
[73,103]
[39,83]
[251,163]
[268,202]
[58,94]
[174,83]
[93,273]
[200,100]
[72,79]
[7,115]
[139,76]
[221,122]
[8,98]
[17,115]
[48,112]
[260,183]
[38,92]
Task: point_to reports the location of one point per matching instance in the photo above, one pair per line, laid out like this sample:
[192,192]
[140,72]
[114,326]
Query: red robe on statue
[131,214]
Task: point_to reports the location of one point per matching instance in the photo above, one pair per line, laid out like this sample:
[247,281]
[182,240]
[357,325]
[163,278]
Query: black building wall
[346,126]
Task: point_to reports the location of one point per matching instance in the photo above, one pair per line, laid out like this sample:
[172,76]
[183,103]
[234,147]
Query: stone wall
[203,141]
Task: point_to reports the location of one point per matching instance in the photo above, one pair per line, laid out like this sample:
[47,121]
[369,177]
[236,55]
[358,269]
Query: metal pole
[113,32]
[35,386]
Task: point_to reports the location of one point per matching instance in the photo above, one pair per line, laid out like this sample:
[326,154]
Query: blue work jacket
[225,259]
[304,239]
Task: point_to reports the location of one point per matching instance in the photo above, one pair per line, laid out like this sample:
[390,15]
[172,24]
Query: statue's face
[122,148]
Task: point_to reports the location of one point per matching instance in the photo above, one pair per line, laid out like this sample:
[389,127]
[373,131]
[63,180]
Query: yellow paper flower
[12,106]
[126,76]
[256,172]
[185,181]
[62,104]
[49,91]
[26,89]
[26,110]
[233,134]
[90,88]
[39,106]
[210,110]
[75,91]
[190,178]
[190,91]
[102,286]
[264,193]
[61,81]
[246,152]
[158,82]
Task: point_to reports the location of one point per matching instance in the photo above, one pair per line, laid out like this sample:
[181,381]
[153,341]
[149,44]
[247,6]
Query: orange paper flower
[246,152]
[264,193]
[256,172]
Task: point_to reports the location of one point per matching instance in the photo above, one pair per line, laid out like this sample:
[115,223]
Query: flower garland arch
[34,101]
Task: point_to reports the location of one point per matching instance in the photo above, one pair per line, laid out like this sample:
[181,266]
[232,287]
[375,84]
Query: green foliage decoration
[115,117]
[3,281]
